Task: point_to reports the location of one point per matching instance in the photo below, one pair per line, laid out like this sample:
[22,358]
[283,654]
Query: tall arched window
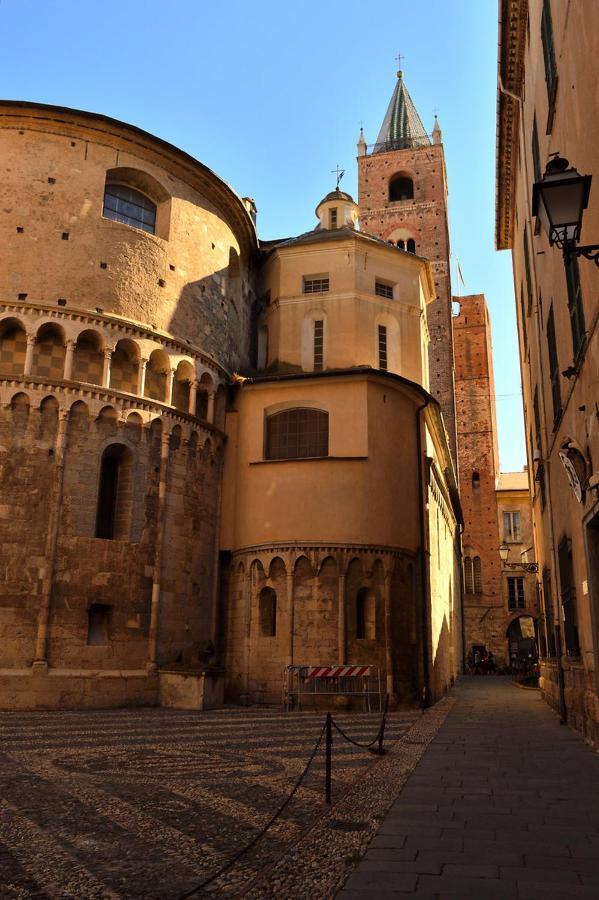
[411,245]
[127,205]
[318,344]
[297,434]
[401,187]
[382,347]
[115,494]
[478,575]
[468,575]
[268,612]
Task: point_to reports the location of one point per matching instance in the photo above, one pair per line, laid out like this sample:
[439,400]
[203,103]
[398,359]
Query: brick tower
[485,618]
[402,197]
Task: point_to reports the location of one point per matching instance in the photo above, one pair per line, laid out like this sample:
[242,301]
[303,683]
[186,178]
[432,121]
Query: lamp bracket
[571,248]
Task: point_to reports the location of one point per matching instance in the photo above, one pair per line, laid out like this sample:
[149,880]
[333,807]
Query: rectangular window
[318,344]
[549,58]
[536,153]
[297,434]
[98,622]
[523,314]
[575,305]
[535,407]
[316,284]
[382,347]
[527,270]
[568,596]
[515,592]
[540,478]
[511,526]
[333,218]
[554,373]
[383,290]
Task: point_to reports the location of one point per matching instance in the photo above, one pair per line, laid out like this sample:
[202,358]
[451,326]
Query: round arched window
[125,204]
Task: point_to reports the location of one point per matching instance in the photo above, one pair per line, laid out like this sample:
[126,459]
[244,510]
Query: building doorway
[523,648]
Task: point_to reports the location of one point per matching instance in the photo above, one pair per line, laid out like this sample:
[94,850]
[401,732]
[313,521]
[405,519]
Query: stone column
[40,662]
[342,621]
[291,612]
[31,339]
[210,413]
[193,391]
[170,380]
[106,370]
[152,665]
[141,377]
[68,359]
[390,685]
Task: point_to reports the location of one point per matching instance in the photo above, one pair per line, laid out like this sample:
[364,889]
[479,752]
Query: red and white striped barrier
[337,671]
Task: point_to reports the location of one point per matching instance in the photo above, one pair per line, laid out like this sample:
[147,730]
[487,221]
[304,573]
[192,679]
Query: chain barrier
[327,733]
[263,830]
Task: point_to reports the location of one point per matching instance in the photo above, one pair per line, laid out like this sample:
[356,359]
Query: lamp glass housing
[559,200]
[504,552]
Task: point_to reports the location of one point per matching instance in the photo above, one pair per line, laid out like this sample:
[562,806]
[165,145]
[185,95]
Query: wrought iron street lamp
[530,567]
[559,200]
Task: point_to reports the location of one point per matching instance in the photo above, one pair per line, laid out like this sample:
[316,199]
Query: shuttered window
[548,52]
[575,307]
[553,367]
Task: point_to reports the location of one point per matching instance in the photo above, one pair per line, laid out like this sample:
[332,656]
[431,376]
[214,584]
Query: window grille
[316,285]
[511,526]
[478,575]
[318,345]
[124,204]
[515,585]
[468,575]
[383,290]
[554,372]
[383,347]
[297,434]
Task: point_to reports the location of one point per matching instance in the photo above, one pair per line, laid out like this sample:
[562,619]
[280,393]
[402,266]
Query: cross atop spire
[399,58]
[339,173]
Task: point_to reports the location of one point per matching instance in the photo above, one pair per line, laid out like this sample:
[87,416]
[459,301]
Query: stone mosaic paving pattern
[147,803]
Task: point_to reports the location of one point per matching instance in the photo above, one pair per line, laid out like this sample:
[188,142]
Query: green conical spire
[402,126]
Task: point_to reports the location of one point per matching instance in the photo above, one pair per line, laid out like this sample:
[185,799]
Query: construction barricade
[305,685]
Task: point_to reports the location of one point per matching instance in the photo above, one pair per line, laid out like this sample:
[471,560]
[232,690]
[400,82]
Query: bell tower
[402,198]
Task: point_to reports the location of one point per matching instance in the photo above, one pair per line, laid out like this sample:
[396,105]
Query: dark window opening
[411,245]
[575,307]
[297,434]
[318,345]
[478,575]
[536,153]
[475,481]
[516,592]
[401,244]
[382,347]
[268,612]
[365,615]
[125,204]
[548,606]
[113,514]
[98,624]
[401,187]
[568,596]
[333,218]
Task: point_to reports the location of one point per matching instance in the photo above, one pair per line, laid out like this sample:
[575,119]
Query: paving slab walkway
[504,804]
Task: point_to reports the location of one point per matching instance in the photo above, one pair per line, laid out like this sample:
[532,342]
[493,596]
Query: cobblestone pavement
[147,803]
[503,804]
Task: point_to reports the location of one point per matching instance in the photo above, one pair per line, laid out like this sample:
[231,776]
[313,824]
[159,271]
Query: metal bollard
[328,757]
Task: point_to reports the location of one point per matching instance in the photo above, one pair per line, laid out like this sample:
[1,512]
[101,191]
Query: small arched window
[297,434]
[401,187]
[411,245]
[115,494]
[268,612]
[475,480]
[127,205]
[468,575]
[365,615]
[478,575]
[401,244]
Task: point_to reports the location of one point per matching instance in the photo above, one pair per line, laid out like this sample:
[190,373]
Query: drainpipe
[40,662]
[423,566]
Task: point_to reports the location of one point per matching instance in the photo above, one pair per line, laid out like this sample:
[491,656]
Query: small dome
[336,195]
[337,210]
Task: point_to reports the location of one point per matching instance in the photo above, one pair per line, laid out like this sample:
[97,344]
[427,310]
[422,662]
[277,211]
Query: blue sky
[271,96]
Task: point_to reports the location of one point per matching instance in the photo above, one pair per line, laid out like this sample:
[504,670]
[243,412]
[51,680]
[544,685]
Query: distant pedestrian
[491,667]
[477,662]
